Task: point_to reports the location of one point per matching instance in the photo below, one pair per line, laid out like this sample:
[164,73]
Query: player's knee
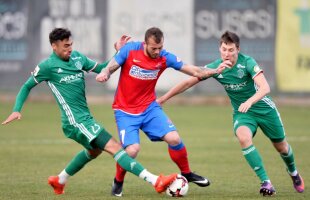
[172,138]
[112,146]
[282,147]
[244,136]
[133,150]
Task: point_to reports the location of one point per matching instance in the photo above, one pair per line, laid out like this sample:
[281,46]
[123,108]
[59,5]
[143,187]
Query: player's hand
[160,101]
[225,64]
[12,117]
[244,107]
[121,42]
[103,76]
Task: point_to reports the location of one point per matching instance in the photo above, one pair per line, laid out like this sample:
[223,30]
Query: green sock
[78,162]
[289,160]
[255,161]
[128,163]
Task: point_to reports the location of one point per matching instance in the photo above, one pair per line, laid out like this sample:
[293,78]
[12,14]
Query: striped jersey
[66,80]
[239,84]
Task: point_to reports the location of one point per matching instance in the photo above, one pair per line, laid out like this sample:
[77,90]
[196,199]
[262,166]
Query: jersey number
[95,128]
[122,135]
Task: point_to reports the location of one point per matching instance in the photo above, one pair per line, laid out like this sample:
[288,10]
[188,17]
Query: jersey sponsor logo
[59,70]
[71,78]
[235,87]
[143,74]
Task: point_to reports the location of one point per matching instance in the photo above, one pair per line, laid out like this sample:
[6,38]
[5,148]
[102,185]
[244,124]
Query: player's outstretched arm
[202,72]
[20,100]
[105,73]
[12,117]
[179,88]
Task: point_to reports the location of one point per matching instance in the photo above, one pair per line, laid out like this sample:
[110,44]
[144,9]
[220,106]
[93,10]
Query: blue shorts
[153,122]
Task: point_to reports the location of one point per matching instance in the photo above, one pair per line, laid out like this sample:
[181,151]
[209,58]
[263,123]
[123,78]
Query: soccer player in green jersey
[63,71]
[247,88]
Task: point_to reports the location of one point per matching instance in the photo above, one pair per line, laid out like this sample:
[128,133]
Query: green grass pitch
[34,148]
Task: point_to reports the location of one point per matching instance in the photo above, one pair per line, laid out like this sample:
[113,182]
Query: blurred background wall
[275,32]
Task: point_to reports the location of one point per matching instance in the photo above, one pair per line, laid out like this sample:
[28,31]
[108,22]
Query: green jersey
[239,84]
[67,82]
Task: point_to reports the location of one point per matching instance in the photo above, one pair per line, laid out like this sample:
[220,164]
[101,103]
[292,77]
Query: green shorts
[270,123]
[86,132]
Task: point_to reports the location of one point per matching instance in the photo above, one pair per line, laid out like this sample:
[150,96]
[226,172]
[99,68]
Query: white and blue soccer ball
[178,188]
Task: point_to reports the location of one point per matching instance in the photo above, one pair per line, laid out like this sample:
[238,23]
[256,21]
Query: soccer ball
[178,188]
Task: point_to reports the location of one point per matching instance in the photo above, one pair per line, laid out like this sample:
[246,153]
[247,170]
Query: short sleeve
[172,60]
[41,72]
[252,67]
[123,53]
[88,64]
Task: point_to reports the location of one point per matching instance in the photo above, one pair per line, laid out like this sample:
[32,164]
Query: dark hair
[59,34]
[230,37]
[154,32]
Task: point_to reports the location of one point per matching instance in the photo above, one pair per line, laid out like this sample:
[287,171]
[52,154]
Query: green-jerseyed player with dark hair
[63,71]
[247,89]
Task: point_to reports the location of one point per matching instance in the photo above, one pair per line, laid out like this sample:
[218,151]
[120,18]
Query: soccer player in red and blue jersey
[135,105]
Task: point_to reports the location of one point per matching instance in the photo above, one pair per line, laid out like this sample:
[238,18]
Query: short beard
[147,52]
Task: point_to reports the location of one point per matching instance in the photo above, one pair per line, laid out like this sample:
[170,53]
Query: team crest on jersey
[143,74]
[78,65]
[240,73]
